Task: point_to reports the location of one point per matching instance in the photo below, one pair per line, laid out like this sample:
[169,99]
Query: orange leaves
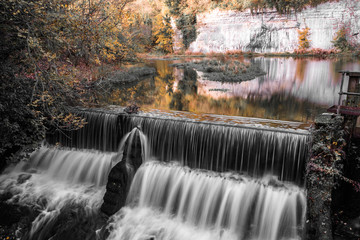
[163,33]
[304,42]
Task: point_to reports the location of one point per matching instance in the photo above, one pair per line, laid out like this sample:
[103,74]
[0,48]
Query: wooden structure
[350,107]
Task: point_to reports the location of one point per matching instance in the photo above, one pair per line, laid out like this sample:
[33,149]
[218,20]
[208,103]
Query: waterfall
[73,166]
[221,147]
[103,131]
[218,147]
[231,205]
[238,194]
[57,184]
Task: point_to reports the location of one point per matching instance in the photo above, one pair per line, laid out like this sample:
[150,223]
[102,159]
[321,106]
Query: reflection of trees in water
[122,93]
[342,63]
[186,86]
[284,106]
[179,102]
[300,69]
[169,81]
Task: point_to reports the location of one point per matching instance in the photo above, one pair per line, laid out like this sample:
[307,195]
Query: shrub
[304,42]
[341,42]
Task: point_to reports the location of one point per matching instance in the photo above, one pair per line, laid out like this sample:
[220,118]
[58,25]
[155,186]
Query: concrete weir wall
[221,31]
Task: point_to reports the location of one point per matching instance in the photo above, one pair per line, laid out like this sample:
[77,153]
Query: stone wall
[325,164]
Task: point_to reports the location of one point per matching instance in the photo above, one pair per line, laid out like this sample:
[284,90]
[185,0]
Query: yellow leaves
[97,61]
[50,56]
[163,33]
[69,121]
[304,42]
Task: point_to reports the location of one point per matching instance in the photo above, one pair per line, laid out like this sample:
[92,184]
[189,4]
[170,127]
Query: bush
[20,128]
[304,42]
[341,42]
[186,23]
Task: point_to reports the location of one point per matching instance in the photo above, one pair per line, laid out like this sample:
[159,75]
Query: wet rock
[9,214]
[74,222]
[120,175]
[131,109]
[23,178]
[116,189]
[327,119]
[15,220]
[103,233]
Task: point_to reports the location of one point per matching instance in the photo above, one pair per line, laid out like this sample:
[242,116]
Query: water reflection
[292,89]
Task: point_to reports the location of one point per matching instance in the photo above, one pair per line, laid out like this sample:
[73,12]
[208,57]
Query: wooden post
[341,92]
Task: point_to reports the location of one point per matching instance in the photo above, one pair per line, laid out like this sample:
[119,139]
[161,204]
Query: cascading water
[60,183]
[255,151]
[103,132]
[66,186]
[219,206]
[217,147]
[56,183]
[73,166]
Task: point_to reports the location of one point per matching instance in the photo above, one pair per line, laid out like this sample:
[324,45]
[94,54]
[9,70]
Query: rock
[324,118]
[23,178]
[116,189]
[120,175]
[271,31]
[9,214]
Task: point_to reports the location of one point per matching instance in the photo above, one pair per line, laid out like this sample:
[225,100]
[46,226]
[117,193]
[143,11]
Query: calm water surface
[292,89]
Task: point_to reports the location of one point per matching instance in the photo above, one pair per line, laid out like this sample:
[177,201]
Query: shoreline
[309,54]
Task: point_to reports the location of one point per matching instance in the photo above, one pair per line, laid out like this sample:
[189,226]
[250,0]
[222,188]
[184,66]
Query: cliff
[221,31]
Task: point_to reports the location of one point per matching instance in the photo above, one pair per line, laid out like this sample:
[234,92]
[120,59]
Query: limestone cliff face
[220,31]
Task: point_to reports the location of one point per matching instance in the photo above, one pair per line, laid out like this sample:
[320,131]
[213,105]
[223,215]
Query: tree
[341,42]
[163,33]
[304,42]
[44,47]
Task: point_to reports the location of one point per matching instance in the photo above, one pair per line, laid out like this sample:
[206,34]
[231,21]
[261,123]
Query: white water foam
[172,202]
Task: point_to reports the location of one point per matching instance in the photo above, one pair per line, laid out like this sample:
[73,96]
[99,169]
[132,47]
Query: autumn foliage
[48,48]
[304,42]
[163,33]
[341,40]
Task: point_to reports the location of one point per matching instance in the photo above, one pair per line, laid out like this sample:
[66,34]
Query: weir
[103,131]
[222,147]
[222,181]
[218,147]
